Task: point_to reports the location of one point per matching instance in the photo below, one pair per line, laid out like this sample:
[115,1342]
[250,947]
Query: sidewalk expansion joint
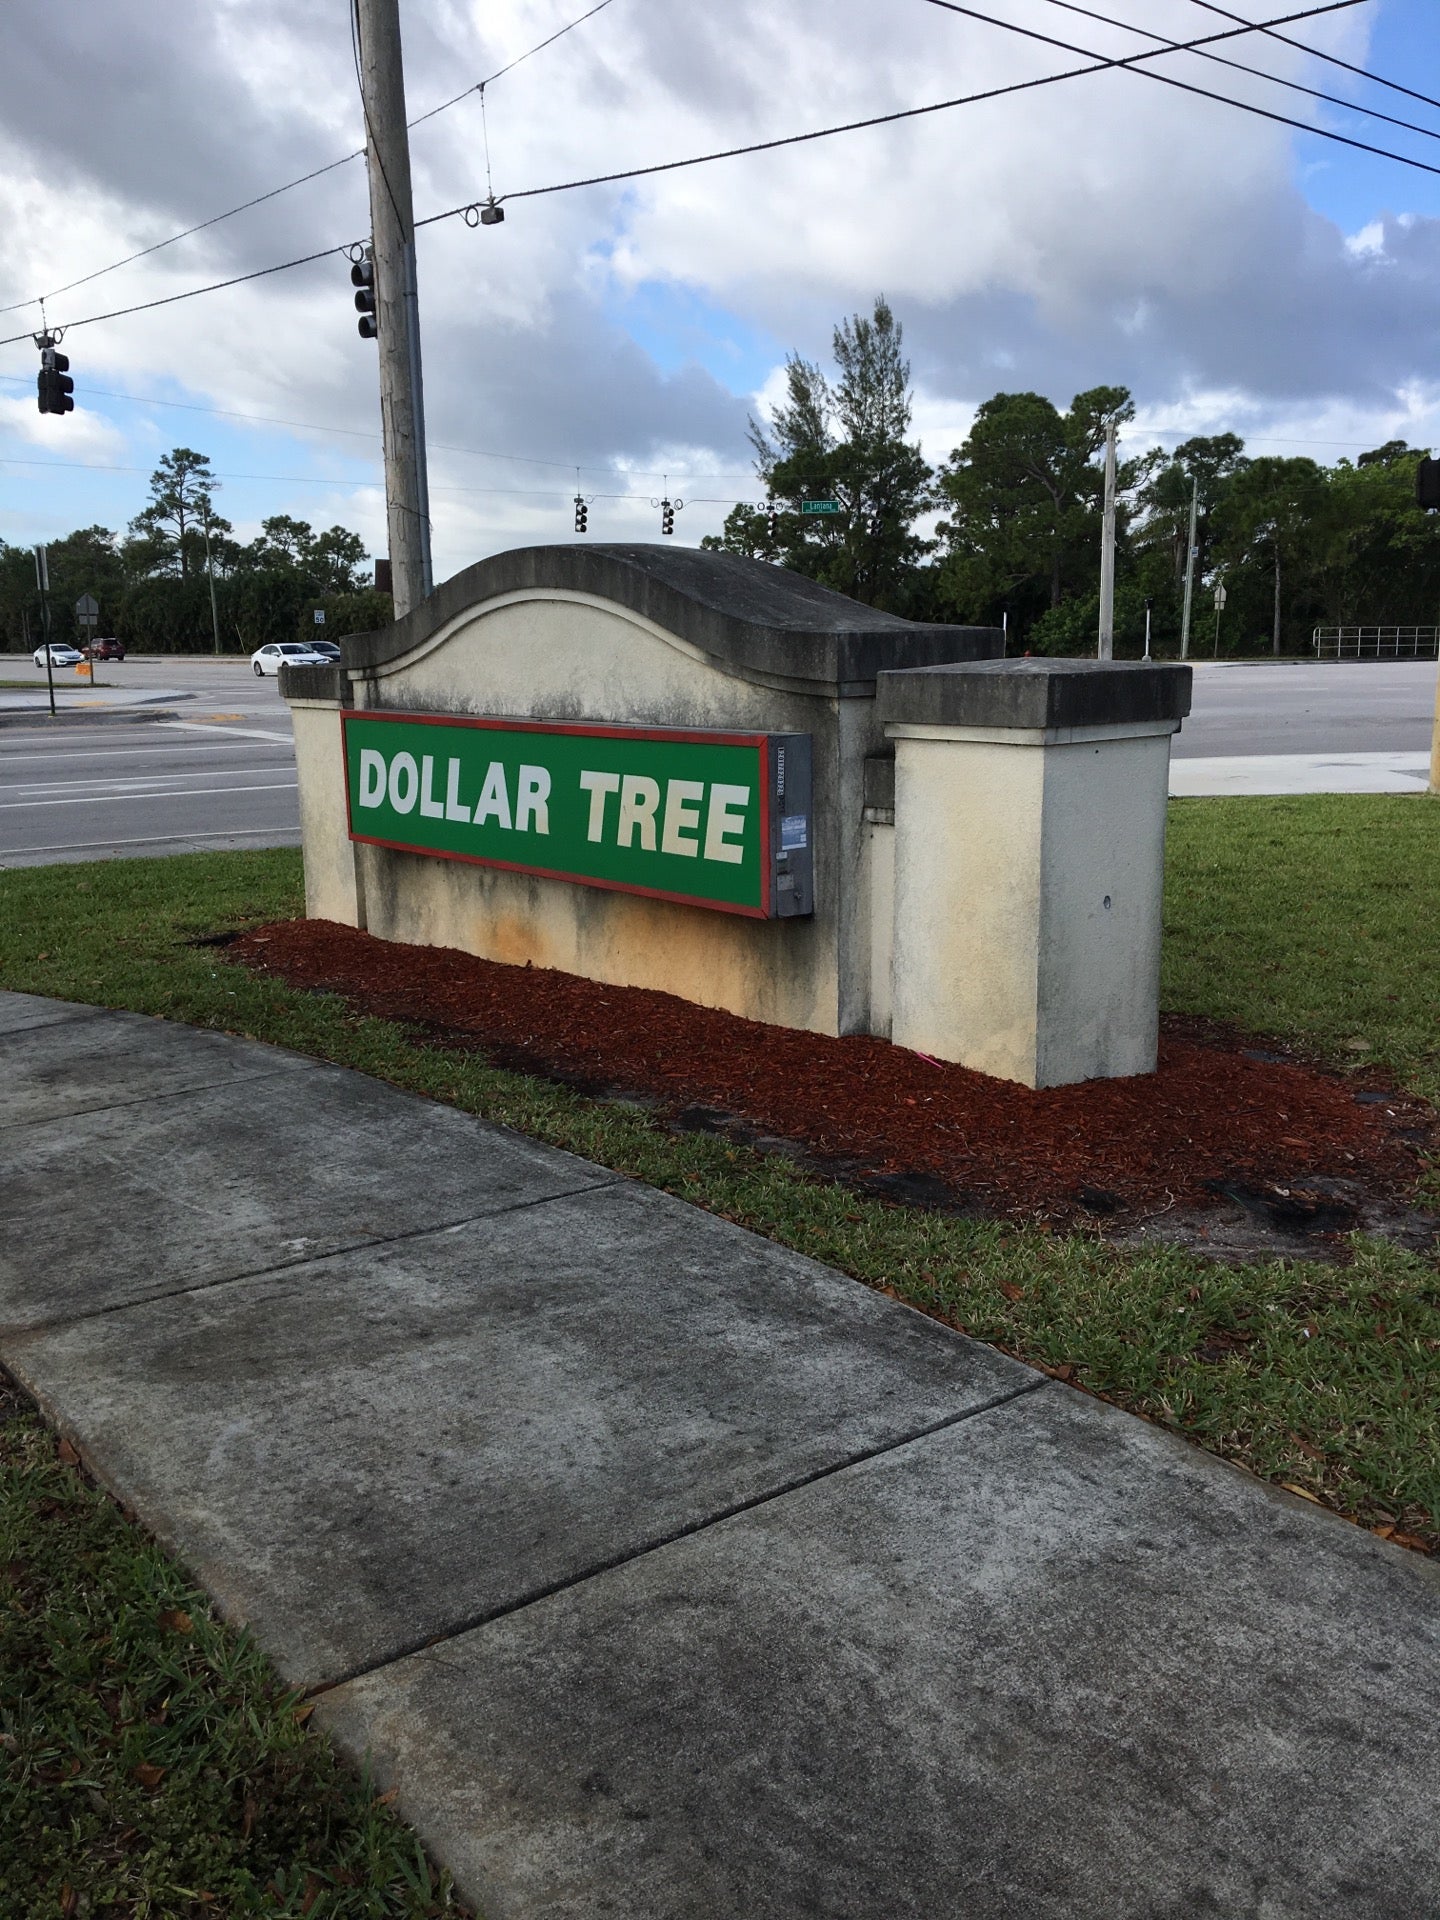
[11,1337]
[660,1541]
[150,1099]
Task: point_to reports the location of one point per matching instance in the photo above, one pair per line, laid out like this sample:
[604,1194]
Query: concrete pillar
[1030,801]
[334,887]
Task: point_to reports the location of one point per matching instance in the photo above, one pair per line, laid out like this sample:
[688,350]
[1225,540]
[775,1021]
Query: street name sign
[819,506]
[718,820]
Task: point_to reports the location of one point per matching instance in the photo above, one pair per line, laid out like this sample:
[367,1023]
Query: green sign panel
[681,816]
[819,506]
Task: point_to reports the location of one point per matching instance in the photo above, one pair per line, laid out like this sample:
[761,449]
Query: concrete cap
[1036,695]
[314,683]
[753,620]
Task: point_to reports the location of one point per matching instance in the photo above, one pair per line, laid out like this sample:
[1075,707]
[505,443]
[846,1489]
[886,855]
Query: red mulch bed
[1217,1110]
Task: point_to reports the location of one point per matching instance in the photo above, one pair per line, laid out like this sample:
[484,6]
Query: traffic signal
[1427,484]
[362,276]
[772,519]
[582,513]
[53,385]
[667,517]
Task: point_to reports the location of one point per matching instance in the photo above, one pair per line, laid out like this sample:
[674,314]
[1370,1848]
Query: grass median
[1309,919]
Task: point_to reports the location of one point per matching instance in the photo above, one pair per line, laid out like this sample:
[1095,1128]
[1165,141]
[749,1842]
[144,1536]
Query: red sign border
[590,730]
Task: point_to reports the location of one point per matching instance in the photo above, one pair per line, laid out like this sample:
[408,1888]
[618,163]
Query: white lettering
[494,801]
[532,800]
[722,821]
[682,817]
[429,805]
[599,786]
[372,777]
[455,808]
[639,797]
[404,782]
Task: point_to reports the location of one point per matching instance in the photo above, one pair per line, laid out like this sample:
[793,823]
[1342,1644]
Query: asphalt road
[1340,707]
[222,774]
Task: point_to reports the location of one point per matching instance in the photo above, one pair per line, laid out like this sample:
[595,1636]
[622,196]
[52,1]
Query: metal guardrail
[1376,643]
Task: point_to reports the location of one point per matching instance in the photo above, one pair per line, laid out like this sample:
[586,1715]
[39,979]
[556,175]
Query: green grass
[1316,919]
[1309,919]
[149,1764]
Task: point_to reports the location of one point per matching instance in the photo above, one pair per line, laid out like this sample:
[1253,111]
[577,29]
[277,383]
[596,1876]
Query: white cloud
[1098,230]
[1368,242]
[70,436]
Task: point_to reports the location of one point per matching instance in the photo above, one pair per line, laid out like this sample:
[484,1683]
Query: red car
[105,650]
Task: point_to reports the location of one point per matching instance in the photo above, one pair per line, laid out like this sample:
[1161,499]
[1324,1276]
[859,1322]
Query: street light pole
[1190,570]
[397,315]
[1107,551]
[210,570]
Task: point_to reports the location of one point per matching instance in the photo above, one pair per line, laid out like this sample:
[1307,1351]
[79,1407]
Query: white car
[287,653]
[61,655]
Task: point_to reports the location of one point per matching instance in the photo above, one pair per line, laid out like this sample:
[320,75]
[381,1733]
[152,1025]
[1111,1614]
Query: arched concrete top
[753,620]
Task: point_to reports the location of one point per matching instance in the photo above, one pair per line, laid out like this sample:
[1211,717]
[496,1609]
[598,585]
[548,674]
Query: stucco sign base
[1002,910]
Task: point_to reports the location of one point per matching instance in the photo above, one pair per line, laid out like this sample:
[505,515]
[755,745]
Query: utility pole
[1107,552]
[210,570]
[392,227]
[1190,553]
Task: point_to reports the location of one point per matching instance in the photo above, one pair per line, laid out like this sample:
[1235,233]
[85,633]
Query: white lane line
[208,726]
[117,784]
[127,753]
[147,840]
[119,799]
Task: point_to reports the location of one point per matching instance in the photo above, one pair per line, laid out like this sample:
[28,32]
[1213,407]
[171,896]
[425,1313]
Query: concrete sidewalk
[668,1574]
[1240,773]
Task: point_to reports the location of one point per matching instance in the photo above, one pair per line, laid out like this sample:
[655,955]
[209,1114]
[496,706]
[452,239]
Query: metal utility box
[792,845]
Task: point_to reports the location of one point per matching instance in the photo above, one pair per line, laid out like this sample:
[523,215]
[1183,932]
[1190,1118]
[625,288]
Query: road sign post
[87,614]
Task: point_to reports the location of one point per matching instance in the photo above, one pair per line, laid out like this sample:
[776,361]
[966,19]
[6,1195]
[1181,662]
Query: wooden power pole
[392,226]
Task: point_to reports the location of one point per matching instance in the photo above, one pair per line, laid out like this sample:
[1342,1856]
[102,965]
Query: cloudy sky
[1233,272]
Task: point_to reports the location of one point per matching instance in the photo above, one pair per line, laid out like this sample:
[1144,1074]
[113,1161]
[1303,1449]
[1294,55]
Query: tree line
[1008,528]
[153,583]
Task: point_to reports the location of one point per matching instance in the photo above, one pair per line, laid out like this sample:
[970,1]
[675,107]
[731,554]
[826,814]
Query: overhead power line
[1095,64]
[191,293]
[1189,86]
[376,485]
[1316,53]
[343,160]
[360,433]
[480,85]
[1241,66]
